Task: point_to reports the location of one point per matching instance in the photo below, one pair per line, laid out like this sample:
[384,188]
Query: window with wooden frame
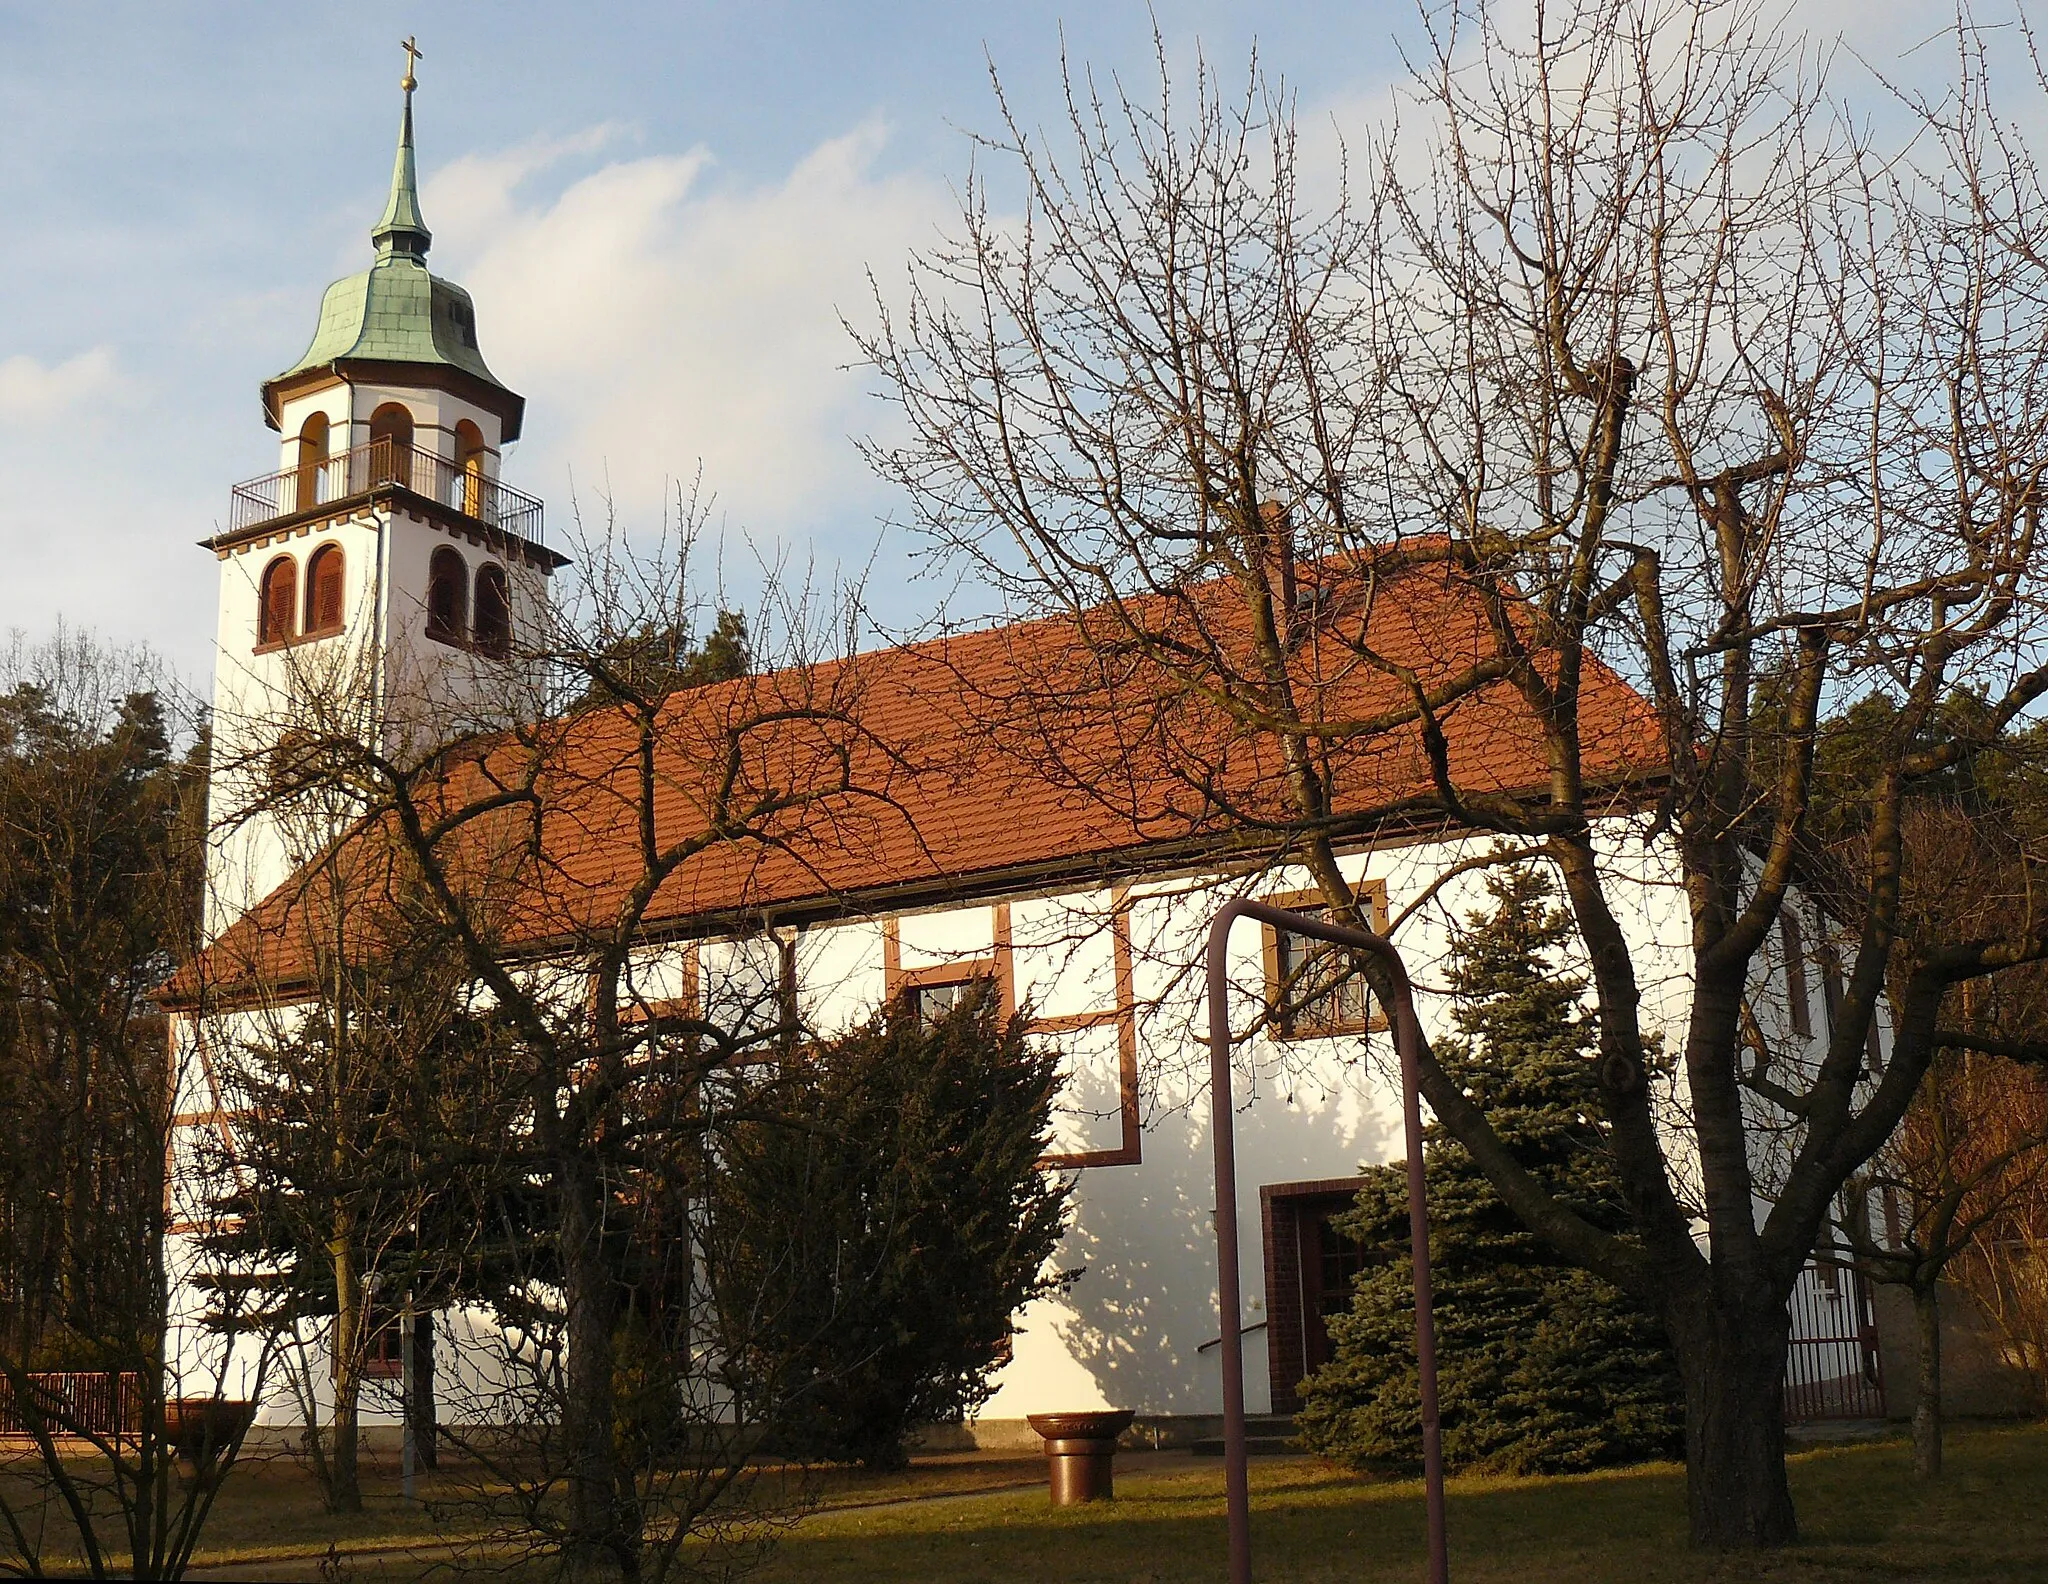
[383,1343]
[492,628]
[930,994]
[447,597]
[1314,990]
[384,1353]
[324,591]
[277,606]
[930,991]
[1796,1003]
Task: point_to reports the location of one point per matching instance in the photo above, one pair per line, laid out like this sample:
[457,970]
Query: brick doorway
[1309,1266]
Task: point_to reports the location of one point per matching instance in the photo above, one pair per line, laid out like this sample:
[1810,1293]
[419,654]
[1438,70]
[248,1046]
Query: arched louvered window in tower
[447,598]
[323,590]
[278,604]
[493,628]
[391,445]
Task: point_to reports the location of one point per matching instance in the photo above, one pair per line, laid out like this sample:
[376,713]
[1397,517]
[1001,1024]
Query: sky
[662,211]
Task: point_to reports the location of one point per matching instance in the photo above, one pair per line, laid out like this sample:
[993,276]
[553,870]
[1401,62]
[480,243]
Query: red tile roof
[971,761]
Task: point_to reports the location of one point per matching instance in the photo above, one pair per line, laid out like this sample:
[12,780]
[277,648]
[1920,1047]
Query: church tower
[385,573]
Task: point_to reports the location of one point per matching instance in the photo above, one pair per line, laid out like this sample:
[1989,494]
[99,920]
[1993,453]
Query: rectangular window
[1321,993]
[384,1358]
[1314,989]
[931,999]
[383,1348]
[1795,973]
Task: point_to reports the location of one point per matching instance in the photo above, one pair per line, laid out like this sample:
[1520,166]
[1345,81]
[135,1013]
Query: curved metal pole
[1408,1044]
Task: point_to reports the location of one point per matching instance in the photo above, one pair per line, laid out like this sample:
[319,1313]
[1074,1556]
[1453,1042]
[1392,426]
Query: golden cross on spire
[413,56]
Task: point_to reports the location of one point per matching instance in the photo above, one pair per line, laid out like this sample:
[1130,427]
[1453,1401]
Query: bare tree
[2006,1272]
[345,1208]
[1972,1149]
[1973,1145]
[1637,362]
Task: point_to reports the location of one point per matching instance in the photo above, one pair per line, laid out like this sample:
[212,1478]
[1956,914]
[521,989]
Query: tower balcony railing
[313,484]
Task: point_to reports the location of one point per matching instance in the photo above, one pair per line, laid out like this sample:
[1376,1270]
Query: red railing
[89,1402]
[385,462]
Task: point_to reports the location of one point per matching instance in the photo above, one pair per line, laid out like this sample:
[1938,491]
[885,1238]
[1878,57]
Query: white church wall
[839,974]
[331,401]
[1132,1329]
[430,684]
[435,414]
[261,690]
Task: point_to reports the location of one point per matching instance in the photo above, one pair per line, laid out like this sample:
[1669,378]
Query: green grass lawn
[1864,1519]
[1863,1516]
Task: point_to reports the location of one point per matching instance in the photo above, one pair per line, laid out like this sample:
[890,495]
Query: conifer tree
[882,1231]
[1542,1366]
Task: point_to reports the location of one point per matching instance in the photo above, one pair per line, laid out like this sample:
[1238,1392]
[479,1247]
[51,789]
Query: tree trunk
[344,1487]
[603,1528]
[1927,1406]
[419,1407]
[1732,1359]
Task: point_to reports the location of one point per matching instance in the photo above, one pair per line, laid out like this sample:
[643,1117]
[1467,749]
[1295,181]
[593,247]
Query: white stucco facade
[1111,978]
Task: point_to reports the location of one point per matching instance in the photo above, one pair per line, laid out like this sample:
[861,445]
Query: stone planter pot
[1080,1453]
[201,1428]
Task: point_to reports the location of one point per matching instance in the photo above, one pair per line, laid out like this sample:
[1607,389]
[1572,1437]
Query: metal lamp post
[1408,1044]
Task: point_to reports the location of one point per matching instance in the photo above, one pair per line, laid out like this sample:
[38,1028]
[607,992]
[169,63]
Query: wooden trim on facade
[999,965]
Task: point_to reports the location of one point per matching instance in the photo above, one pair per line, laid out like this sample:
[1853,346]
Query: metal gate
[87,1403]
[1832,1370]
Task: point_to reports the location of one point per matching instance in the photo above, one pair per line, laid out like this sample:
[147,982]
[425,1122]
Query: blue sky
[659,208]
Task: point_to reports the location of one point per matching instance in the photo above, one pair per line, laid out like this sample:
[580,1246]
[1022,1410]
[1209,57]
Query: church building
[388,560]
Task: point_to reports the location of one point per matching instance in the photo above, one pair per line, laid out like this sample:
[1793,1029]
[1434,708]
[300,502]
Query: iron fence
[1832,1368]
[74,1403]
[461,488]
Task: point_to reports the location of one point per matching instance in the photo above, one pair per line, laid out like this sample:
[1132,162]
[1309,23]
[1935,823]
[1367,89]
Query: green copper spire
[394,322]
[403,231]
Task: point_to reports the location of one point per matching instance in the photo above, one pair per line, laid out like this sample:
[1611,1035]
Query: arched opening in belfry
[391,445]
[447,598]
[312,460]
[469,459]
[493,626]
[277,608]
[324,590]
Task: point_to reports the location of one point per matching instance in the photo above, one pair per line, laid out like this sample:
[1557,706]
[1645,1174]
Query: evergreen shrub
[872,1239]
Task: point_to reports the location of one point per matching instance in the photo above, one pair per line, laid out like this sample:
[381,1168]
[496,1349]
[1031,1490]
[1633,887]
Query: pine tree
[1542,1367]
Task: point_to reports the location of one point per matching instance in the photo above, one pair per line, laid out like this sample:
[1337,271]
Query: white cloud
[655,318]
[33,391]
